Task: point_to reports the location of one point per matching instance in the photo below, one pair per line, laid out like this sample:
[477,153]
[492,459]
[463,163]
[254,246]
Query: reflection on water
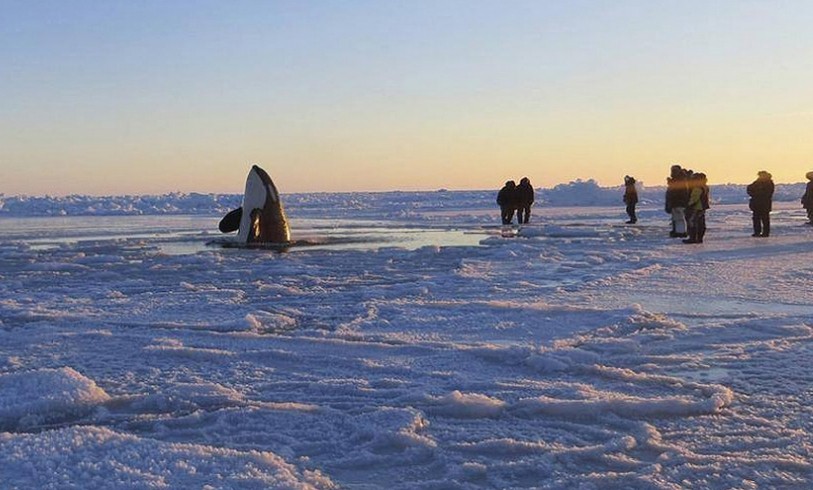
[356,235]
[182,235]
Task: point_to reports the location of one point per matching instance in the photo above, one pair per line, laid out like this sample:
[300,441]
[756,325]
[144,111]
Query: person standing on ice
[668,205]
[630,198]
[677,198]
[696,209]
[761,192]
[525,198]
[807,198]
[507,199]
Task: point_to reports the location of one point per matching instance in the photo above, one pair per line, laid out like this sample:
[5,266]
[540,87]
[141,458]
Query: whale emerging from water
[261,218]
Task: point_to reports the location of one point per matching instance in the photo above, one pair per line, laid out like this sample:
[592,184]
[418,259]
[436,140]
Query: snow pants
[696,225]
[523,213]
[679,220]
[631,212]
[762,222]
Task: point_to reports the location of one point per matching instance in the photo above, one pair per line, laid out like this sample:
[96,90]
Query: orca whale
[261,218]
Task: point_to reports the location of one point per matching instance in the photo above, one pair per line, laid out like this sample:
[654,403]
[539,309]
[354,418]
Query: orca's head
[270,188]
[263,218]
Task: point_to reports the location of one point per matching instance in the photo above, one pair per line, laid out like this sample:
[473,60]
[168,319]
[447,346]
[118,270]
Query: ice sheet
[577,352]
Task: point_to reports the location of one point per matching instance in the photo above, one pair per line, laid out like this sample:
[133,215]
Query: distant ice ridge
[392,205]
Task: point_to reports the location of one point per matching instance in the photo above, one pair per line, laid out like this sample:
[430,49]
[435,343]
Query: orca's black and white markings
[261,219]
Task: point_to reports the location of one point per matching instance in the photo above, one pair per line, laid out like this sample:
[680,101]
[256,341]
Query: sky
[155,96]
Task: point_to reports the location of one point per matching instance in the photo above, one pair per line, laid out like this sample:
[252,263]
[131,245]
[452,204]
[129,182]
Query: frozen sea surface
[421,350]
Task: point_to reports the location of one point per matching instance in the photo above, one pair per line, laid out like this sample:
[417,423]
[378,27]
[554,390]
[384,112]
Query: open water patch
[186,235]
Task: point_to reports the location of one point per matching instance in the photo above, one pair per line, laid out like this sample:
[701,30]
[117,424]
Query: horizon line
[442,189]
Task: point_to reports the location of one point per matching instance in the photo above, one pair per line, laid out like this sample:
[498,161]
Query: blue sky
[156,96]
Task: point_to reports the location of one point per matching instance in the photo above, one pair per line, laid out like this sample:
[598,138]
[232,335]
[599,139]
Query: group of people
[687,199]
[516,198]
[761,194]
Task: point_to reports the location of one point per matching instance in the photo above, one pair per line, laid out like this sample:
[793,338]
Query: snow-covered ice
[410,346]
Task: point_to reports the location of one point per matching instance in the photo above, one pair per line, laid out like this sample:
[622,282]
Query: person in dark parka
[677,198]
[525,198]
[630,198]
[807,198]
[507,199]
[761,192]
